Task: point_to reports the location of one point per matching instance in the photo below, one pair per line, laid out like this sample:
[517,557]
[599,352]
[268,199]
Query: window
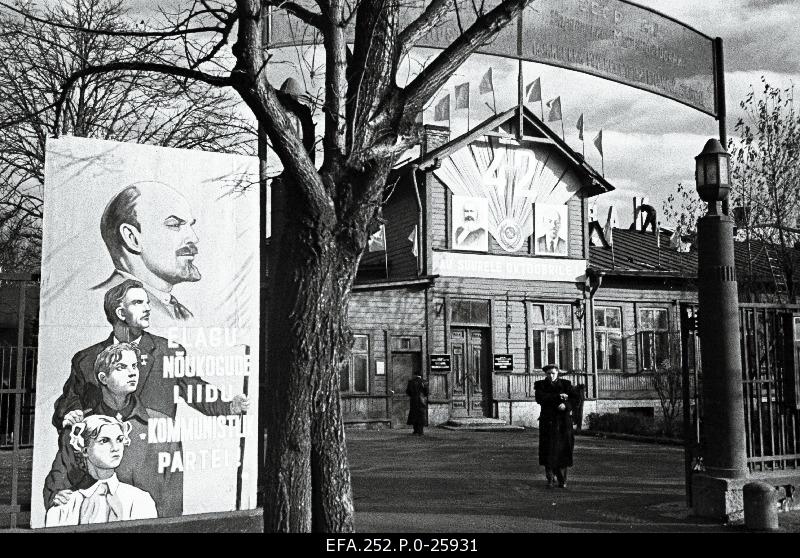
[653,338]
[470,312]
[553,339]
[356,371]
[608,337]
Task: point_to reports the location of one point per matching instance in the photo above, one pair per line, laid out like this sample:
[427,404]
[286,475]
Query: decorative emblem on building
[511,177]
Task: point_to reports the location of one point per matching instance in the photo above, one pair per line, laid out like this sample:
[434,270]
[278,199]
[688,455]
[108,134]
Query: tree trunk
[307,478]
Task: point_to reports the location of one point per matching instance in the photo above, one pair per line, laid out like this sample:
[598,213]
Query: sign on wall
[439,362]
[503,362]
[613,39]
[148,338]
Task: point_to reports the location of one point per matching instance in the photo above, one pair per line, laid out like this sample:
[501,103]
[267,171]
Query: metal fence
[771,421]
[17,391]
[769,348]
[19,312]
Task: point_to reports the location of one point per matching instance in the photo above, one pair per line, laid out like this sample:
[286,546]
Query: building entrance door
[472,391]
[404,365]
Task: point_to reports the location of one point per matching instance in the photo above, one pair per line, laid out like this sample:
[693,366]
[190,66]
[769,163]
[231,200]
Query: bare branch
[141,67]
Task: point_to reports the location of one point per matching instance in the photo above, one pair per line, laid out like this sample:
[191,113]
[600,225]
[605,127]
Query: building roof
[534,130]
[636,254]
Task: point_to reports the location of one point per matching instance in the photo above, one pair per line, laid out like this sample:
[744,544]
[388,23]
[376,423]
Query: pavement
[490,482]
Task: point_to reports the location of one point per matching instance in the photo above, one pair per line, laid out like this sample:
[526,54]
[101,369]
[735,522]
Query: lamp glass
[723,170]
[711,171]
[699,173]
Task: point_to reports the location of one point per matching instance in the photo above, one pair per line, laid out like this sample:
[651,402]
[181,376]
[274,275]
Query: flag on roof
[486,85]
[533,91]
[579,125]
[442,110]
[555,109]
[598,141]
[462,96]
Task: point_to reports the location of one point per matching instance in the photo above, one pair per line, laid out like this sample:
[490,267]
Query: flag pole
[385,251]
[520,99]
[563,136]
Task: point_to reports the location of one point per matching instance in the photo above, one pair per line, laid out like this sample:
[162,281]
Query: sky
[649,142]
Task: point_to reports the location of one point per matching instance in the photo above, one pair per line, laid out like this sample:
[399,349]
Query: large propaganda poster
[147,383]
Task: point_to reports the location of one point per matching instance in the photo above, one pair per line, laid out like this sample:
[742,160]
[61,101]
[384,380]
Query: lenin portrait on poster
[148,338]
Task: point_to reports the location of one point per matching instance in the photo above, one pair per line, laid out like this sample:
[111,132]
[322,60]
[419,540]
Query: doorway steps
[480,424]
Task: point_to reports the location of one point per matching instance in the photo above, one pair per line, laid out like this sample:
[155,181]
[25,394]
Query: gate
[770,344]
[19,310]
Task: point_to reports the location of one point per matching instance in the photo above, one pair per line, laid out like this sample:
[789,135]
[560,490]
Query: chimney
[434,137]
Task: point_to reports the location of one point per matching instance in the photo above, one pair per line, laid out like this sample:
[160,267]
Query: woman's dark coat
[417,392]
[556,436]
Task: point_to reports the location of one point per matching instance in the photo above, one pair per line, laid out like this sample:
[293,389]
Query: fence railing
[511,386]
[17,389]
[772,427]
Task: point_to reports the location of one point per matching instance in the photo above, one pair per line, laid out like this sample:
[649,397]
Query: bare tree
[368,121]
[765,174]
[37,58]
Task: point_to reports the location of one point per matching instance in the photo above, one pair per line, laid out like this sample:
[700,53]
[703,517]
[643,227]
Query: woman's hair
[89,429]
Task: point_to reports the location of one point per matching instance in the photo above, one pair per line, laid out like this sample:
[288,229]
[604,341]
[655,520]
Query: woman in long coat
[417,391]
[556,437]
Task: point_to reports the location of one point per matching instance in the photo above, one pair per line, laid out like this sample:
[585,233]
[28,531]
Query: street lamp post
[724,449]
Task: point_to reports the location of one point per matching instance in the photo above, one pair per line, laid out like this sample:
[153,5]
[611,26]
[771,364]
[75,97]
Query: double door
[471,379]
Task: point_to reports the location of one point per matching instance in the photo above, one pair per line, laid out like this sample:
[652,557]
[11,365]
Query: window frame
[349,367]
[654,335]
[604,330]
[576,341]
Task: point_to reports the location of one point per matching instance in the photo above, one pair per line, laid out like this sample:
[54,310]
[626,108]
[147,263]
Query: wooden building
[482,258]
[611,318]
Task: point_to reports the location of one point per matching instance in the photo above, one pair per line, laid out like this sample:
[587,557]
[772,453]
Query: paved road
[490,482]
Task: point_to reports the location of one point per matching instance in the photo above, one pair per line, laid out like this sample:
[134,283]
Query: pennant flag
[598,141]
[486,85]
[555,109]
[413,239]
[442,110]
[462,96]
[579,125]
[377,241]
[533,91]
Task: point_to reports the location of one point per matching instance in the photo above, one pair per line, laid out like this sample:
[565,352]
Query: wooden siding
[378,313]
[401,213]
[631,295]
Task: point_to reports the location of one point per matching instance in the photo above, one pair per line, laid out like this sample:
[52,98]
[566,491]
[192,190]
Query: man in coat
[417,391]
[556,437]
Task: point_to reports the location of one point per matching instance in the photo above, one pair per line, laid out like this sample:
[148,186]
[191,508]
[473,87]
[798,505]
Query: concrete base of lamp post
[723,499]
[718,498]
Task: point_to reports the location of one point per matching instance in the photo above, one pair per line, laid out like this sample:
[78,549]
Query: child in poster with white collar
[100,441]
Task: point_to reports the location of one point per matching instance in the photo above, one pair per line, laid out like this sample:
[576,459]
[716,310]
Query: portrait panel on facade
[550,229]
[470,223]
[148,342]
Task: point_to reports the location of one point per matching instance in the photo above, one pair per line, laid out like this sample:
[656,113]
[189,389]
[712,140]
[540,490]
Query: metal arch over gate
[613,39]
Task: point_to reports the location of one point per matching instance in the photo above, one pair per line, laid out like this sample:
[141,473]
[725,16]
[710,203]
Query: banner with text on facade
[613,39]
[148,336]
